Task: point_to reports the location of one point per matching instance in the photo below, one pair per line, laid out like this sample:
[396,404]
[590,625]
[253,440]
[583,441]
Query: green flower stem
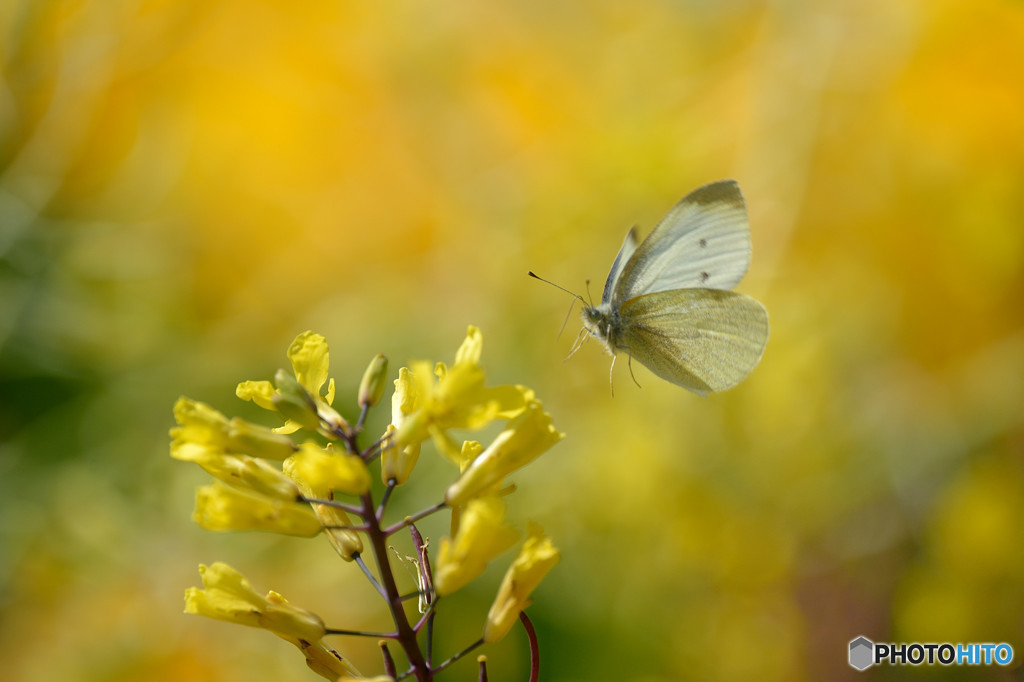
[362,418]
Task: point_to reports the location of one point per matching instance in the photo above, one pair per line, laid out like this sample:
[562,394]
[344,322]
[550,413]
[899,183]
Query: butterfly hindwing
[701,339]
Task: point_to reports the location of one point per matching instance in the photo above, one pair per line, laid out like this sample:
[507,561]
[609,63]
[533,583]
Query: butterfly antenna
[531,273]
[566,320]
[575,297]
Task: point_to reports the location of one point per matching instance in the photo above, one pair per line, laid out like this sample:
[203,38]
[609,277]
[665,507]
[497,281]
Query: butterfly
[668,302]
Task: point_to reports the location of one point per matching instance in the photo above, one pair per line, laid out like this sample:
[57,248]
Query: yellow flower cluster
[268,480]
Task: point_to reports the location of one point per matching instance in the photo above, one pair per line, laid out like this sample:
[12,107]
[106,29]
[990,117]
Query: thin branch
[412,595]
[390,530]
[372,452]
[425,618]
[457,656]
[350,508]
[361,633]
[362,527]
[430,638]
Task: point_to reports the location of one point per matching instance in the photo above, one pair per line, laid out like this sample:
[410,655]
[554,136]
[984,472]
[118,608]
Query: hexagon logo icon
[862,652]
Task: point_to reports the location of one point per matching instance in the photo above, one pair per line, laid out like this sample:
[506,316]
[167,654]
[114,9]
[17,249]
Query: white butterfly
[667,301]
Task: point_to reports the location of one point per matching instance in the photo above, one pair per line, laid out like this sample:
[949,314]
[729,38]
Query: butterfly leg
[629,364]
[611,373]
[580,338]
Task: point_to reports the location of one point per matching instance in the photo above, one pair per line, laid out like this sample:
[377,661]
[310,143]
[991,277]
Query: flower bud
[375,379]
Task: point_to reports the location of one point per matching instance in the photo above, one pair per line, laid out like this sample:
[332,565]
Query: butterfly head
[600,320]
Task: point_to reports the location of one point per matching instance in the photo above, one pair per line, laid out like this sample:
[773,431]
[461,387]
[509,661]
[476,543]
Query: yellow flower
[310,358]
[346,542]
[326,471]
[458,398]
[260,392]
[482,535]
[471,449]
[223,508]
[536,557]
[524,438]
[248,473]
[203,430]
[405,400]
[397,461]
[311,361]
[229,596]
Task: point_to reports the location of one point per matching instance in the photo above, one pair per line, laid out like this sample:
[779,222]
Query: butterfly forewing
[701,339]
[625,253]
[703,242]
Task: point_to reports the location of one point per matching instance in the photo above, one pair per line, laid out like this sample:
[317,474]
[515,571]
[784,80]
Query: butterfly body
[667,301]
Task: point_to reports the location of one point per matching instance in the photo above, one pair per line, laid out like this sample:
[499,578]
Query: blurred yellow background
[186,185]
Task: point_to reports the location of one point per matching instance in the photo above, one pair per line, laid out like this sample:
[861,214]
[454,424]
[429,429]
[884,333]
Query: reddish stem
[531,634]
[406,636]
